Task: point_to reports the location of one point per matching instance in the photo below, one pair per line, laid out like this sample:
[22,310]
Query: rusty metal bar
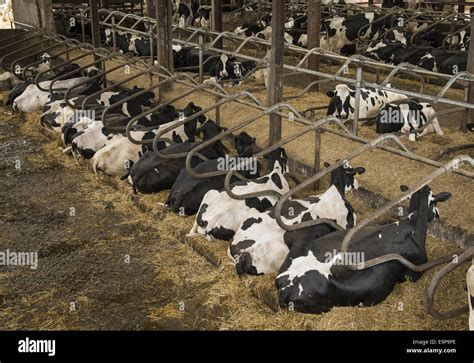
[453,164]
[466,256]
[367,147]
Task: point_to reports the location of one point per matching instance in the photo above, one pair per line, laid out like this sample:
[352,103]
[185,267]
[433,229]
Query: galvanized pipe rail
[355,138]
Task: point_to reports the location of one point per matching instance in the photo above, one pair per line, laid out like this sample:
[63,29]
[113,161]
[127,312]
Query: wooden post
[216,19]
[470,94]
[48,18]
[275,91]
[94,8]
[164,37]
[314,27]
[150,8]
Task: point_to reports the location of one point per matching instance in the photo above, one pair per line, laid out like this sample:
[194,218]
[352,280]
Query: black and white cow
[259,245]
[470,295]
[152,174]
[384,51]
[187,12]
[297,22]
[411,54]
[315,276]
[57,114]
[111,158]
[407,116]
[371,101]
[122,40]
[189,57]
[444,61]
[203,16]
[10,78]
[33,99]
[220,215]
[296,37]
[341,31]
[253,29]
[188,192]
[226,68]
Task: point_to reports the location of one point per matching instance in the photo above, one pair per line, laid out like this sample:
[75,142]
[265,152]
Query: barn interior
[109,258]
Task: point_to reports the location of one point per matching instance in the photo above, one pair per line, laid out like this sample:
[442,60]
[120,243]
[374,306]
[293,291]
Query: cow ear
[359,170]
[326,164]
[352,93]
[404,188]
[330,94]
[442,197]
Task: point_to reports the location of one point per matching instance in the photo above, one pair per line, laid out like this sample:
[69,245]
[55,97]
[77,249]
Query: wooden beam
[163,15]
[216,18]
[275,91]
[150,8]
[314,27]
[95,26]
[470,69]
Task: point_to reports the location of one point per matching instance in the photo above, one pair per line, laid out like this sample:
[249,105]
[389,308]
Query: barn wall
[26,11]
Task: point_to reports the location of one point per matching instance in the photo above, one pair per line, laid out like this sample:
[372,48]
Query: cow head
[278,159]
[243,142]
[146,98]
[209,129]
[266,20]
[425,195]
[224,66]
[343,178]
[191,109]
[290,23]
[342,101]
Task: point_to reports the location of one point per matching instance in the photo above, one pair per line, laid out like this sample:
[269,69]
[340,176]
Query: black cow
[187,192]
[411,54]
[151,174]
[384,52]
[315,276]
[189,57]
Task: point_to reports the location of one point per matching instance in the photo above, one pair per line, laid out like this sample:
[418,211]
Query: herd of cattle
[391,39]
[312,274]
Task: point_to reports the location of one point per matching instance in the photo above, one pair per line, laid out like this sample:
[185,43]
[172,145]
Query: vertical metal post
[151,35]
[201,59]
[470,68]
[314,27]
[216,19]
[83,29]
[317,157]
[275,91]
[218,112]
[355,126]
[114,37]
